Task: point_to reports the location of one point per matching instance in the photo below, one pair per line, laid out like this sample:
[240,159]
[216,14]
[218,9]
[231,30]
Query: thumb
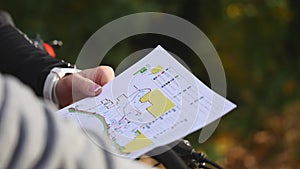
[83,87]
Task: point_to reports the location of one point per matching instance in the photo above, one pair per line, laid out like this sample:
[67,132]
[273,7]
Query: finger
[83,87]
[100,75]
[104,75]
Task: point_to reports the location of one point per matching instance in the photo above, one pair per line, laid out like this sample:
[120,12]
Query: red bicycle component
[49,49]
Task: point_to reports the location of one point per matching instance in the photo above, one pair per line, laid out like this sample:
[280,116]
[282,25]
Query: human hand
[86,83]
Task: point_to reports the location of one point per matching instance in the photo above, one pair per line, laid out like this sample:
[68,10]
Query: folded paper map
[154,102]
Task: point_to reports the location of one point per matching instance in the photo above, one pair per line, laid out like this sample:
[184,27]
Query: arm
[34,67]
[32,136]
[22,59]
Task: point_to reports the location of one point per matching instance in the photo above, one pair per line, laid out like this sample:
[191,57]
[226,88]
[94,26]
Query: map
[152,103]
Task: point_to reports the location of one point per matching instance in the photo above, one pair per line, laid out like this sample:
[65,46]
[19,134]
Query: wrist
[55,74]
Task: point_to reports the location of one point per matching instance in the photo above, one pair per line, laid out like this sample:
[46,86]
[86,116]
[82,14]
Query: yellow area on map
[156,69]
[160,103]
[140,142]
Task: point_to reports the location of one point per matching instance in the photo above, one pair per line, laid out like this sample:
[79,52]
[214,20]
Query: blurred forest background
[256,41]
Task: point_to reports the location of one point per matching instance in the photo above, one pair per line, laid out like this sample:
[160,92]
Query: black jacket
[19,57]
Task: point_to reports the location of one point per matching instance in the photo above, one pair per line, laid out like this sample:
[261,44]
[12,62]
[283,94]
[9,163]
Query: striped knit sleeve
[32,136]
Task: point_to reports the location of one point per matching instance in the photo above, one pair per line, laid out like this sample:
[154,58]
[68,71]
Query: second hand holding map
[154,102]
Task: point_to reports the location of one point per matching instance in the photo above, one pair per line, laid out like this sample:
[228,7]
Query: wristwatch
[49,87]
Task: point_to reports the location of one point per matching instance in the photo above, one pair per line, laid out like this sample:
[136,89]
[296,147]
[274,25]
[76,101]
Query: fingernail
[97,88]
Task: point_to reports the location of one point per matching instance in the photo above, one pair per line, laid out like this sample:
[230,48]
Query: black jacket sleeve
[19,57]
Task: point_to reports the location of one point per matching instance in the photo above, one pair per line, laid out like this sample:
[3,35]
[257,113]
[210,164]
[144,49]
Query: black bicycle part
[181,155]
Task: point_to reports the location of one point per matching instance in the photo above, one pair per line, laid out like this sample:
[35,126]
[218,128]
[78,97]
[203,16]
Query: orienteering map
[152,103]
